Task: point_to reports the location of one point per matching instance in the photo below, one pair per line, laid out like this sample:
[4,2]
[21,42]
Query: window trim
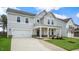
[26,20]
[52,22]
[37,20]
[18,19]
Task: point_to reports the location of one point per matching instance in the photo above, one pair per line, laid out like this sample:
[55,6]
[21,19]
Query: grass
[66,43]
[5,43]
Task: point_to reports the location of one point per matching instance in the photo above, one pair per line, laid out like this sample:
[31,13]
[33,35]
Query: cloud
[47,8]
[77,15]
[60,16]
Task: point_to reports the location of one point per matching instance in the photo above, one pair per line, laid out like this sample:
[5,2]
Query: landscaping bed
[5,43]
[66,43]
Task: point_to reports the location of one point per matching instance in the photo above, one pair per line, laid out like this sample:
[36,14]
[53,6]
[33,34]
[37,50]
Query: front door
[37,32]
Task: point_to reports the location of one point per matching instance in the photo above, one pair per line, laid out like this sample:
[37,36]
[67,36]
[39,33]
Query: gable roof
[67,19]
[64,20]
[74,23]
[19,11]
[41,12]
[43,15]
[77,25]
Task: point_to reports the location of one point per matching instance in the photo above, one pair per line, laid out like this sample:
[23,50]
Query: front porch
[41,31]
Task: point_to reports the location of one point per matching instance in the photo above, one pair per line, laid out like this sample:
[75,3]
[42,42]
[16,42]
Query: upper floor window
[26,20]
[48,21]
[52,22]
[38,21]
[71,27]
[18,19]
[10,29]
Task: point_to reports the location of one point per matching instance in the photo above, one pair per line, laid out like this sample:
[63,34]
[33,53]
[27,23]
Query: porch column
[48,32]
[40,32]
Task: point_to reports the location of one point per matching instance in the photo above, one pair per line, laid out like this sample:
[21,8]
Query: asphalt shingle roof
[19,11]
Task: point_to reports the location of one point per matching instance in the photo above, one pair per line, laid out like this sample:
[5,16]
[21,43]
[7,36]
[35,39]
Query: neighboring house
[76,31]
[44,24]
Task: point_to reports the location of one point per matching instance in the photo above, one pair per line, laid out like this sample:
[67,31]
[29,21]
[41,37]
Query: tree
[4,21]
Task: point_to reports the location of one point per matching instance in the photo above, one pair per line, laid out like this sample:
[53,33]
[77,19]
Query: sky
[60,12]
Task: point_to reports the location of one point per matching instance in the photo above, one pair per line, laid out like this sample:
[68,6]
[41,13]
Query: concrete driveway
[31,44]
[27,44]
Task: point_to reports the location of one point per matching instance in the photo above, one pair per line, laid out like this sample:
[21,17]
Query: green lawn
[66,43]
[5,43]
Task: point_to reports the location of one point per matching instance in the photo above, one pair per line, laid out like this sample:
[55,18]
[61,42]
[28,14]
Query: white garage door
[20,33]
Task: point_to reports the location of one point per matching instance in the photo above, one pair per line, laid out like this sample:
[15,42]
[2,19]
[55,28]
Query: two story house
[44,24]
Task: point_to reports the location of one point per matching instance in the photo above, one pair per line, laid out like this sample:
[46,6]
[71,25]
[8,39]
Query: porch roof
[47,26]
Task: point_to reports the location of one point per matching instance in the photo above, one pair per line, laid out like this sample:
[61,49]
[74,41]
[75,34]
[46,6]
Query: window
[38,21]
[18,19]
[52,22]
[26,20]
[48,22]
[10,29]
[52,31]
